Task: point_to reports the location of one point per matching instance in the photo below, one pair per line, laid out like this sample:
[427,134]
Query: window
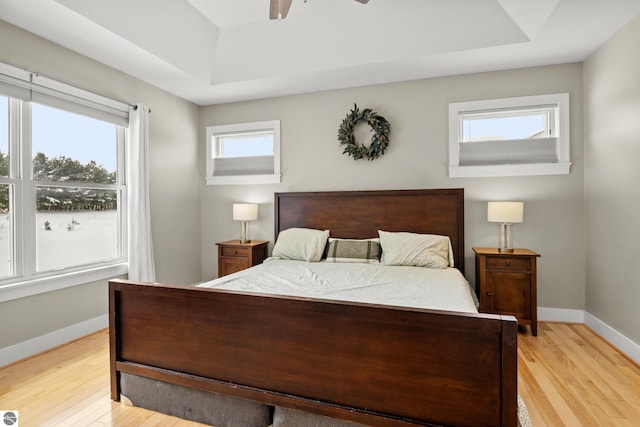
[246,153]
[62,221]
[74,161]
[507,137]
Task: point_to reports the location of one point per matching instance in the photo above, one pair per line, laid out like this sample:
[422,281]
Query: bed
[297,360]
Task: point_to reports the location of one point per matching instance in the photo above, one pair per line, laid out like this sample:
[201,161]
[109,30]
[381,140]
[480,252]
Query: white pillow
[302,244]
[421,250]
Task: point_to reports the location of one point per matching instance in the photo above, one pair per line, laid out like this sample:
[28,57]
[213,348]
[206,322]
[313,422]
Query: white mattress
[441,289]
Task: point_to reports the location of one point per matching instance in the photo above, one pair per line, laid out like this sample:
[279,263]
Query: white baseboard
[53,339]
[560,315]
[615,338]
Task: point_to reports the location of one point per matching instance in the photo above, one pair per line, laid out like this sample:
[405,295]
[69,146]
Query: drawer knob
[489,294]
[508,263]
[235,252]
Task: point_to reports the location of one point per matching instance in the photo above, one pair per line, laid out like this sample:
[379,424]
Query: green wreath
[379,141]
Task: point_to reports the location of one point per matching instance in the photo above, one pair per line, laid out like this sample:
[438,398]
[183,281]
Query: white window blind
[30,86]
[509,137]
[244,153]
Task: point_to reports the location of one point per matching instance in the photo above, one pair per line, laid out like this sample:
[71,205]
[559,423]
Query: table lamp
[506,213]
[245,212]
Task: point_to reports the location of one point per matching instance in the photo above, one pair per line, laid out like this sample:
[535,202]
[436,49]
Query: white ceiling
[215,51]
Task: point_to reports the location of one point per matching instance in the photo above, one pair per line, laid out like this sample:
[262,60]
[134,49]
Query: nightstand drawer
[234,255]
[235,252]
[509,263]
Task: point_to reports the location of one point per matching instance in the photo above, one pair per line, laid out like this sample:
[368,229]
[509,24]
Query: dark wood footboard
[370,364]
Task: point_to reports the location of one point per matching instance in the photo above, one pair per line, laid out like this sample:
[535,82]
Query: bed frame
[369,364]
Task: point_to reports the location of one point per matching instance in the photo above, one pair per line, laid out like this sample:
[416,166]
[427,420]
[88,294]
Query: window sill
[509,170]
[243,179]
[52,283]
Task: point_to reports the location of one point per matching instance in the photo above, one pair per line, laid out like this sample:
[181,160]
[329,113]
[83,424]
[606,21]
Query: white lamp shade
[245,211]
[505,212]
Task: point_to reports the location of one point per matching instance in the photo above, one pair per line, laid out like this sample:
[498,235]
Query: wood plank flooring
[567,376]
[69,386]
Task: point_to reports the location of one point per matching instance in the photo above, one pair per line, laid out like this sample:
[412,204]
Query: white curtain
[140,246]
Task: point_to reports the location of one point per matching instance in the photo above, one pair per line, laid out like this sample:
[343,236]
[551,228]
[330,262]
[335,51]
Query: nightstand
[506,284]
[235,256]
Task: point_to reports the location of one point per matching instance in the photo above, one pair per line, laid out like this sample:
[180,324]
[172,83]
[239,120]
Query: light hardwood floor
[566,376]
[570,376]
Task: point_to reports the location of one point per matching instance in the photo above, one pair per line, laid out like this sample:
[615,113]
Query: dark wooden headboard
[360,214]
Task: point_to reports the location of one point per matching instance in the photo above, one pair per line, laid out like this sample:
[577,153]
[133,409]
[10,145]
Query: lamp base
[244,232]
[505,243]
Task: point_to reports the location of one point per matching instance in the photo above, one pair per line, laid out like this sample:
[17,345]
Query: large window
[61,193]
[74,162]
[511,136]
[245,153]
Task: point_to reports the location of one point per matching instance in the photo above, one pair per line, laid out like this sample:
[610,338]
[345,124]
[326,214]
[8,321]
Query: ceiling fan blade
[363,1]
[280,8]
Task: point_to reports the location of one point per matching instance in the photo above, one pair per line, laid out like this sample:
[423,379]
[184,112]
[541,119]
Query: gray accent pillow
[351,250]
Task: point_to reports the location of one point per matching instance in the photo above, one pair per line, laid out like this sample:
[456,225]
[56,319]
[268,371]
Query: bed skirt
[219,410]
[195,405]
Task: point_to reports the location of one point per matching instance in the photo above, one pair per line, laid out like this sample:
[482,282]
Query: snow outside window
[62,215]
[76,189]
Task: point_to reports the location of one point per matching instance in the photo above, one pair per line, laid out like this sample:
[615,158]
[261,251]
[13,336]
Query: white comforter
[417,287]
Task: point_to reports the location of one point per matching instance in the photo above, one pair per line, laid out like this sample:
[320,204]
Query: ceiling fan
[280,8]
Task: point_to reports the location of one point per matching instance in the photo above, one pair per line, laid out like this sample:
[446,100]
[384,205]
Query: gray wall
[417,157]
[175,198]
[612,151]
